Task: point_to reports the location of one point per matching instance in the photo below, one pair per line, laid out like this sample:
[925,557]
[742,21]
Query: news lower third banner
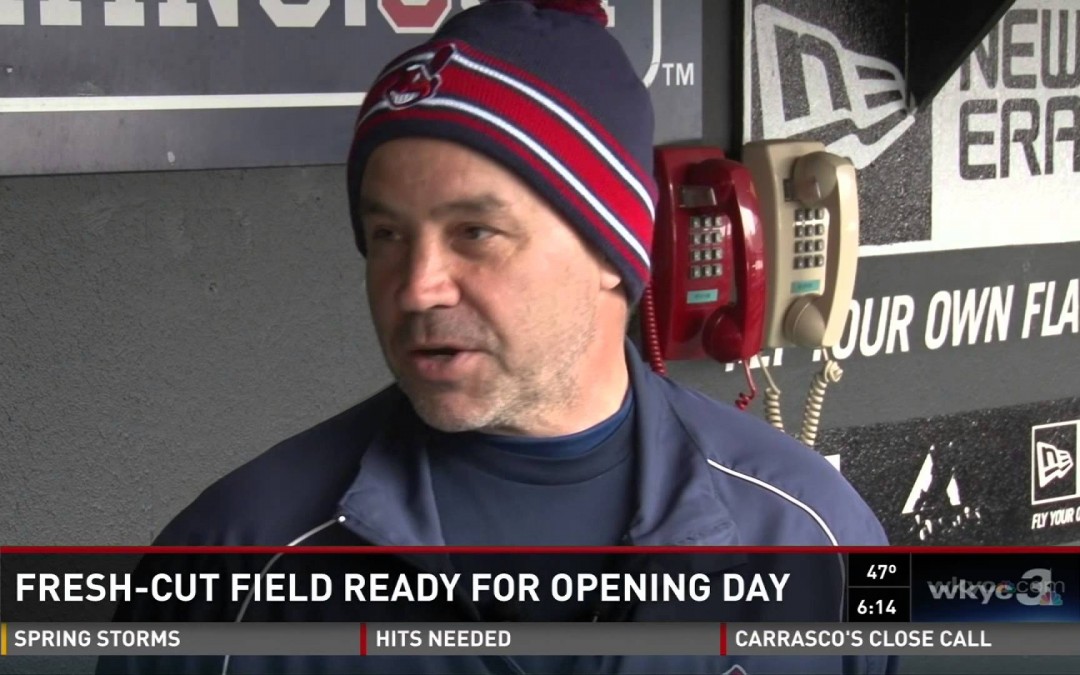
[605,601]
[540,639]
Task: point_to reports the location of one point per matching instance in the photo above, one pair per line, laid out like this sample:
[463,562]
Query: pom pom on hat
[592,9]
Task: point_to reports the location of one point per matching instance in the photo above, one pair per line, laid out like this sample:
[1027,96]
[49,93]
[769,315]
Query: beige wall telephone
[810,215]
[810,211]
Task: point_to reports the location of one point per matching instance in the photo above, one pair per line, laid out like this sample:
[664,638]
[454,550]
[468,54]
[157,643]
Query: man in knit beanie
[501,191]
[509,156]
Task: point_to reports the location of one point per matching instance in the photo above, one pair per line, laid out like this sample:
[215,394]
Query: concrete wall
[158,330]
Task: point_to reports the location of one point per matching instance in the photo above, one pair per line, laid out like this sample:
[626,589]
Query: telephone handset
[811,213]
[707,296]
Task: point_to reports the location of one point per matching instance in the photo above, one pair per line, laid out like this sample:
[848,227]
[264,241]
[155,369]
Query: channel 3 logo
[1036,588]
[1054,476]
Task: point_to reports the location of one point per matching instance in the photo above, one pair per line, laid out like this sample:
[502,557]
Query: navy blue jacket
[707,475]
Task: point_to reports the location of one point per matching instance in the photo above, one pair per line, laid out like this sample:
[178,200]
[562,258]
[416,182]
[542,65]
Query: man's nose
[429,280]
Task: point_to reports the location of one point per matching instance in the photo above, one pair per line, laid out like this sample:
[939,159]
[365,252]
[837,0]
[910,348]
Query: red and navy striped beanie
[543,88]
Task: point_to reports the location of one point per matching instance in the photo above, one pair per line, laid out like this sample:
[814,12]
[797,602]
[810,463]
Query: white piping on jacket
[269,564]
[802,505]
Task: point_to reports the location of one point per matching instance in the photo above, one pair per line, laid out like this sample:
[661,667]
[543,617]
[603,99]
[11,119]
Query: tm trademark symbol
[678,74]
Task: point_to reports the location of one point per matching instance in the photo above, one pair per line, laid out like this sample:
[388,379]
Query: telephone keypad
[809,231]
[706,232]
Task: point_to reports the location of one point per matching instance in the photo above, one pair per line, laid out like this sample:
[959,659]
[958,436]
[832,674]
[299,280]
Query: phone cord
[772,400]
[830,372]
[651,333]
[744,399]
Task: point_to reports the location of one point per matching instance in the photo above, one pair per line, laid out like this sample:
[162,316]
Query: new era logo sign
[810,85]
[1053,463]
[1054,459]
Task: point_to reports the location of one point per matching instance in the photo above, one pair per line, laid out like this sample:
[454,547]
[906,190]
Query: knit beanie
[544,89]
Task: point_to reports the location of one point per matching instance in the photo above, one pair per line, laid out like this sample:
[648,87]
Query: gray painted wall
[160,329]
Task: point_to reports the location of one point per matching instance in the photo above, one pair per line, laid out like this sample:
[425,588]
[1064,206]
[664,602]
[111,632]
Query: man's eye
[477,232]
[383,234]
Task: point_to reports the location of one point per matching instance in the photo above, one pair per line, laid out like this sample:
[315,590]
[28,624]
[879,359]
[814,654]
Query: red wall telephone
[708,291]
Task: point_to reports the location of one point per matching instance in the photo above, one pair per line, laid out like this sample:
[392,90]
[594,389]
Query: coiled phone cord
[745,398]
[772,400]
[830,372]
[650,332]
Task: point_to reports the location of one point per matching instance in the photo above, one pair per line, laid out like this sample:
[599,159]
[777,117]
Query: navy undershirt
[575,490]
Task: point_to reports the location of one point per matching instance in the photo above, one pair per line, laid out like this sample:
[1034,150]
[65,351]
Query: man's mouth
[441,362]
[443,353]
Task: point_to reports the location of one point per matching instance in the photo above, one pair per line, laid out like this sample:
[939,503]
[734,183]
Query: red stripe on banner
[549,131]
[526,154]
[570,105]
[363,639]
[536,550]
[723,639]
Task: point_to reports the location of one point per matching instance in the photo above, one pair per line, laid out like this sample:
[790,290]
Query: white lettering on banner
[952,315]
[185,13]
[404,16]
[953,318]
[355,12]
[775,360]
[306,15]
[61,12]
[1007,134]
[12,13]
[1063,516]
[1056,318]
[869,332]
[125,13]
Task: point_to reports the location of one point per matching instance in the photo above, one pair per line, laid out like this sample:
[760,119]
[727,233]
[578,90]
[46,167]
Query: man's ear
[609,276]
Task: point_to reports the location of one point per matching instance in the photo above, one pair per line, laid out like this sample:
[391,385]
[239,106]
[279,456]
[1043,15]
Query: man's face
[485,301]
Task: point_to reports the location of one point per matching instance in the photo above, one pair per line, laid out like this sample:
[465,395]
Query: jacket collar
[391,501]
[678,503]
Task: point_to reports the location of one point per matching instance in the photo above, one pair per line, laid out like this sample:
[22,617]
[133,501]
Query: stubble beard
[517,395]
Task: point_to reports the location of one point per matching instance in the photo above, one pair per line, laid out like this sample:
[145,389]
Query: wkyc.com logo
[1036,587]
[810,84]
